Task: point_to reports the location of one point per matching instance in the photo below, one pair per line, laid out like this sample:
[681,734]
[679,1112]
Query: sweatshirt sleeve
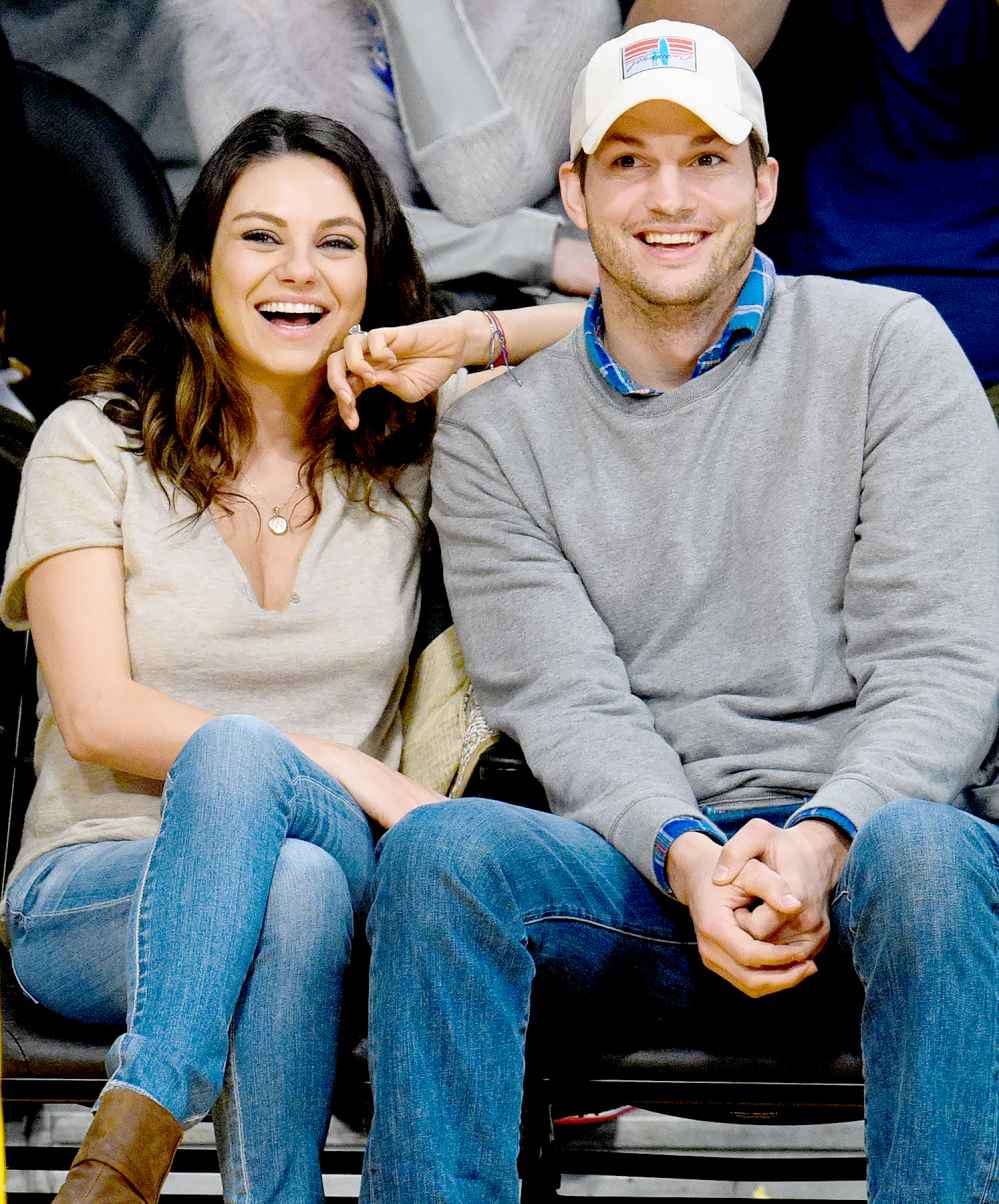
[921,600]
[542,659]
[517,246]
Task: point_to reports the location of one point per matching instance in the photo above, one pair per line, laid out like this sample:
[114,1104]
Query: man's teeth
[290,307]
[670,240]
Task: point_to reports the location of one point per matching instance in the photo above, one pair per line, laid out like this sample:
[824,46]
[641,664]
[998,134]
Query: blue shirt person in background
[883,116]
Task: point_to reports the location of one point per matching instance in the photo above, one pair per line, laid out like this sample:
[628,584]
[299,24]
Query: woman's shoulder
[82,429]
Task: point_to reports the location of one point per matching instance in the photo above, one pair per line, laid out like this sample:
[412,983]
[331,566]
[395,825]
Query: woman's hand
[409,361]
[383,794]
[413,361]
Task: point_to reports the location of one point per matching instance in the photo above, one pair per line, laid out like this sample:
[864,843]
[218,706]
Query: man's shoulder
[537,388]
[839,296]
[847,312]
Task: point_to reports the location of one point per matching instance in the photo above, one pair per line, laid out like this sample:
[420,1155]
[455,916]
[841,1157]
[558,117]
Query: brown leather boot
[126,1153]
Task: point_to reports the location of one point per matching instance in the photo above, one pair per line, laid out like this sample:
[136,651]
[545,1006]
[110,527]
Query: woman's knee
[309,921]
[226,738]
[234,760]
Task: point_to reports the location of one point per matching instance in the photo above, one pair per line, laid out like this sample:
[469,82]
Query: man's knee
[913,858]
[437,846]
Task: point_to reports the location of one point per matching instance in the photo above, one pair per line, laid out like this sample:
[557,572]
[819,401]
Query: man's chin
[690,294]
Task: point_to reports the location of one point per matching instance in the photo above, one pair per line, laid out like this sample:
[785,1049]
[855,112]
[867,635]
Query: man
[883,118]
[726,563]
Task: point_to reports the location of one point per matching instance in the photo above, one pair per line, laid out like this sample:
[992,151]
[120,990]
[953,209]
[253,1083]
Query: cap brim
[680,87]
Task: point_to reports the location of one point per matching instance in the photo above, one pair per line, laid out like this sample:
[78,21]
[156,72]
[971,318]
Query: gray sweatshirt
[781,578]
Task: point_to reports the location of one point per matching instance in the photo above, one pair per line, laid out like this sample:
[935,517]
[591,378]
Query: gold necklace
[277,524]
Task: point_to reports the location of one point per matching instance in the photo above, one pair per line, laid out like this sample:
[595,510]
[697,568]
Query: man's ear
[766,189]
[572,194]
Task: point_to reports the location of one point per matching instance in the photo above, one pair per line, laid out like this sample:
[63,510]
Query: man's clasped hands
[760,904]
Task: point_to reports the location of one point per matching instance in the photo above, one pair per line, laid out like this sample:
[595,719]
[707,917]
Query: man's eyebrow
[631,140]
[624,139]
[262,215]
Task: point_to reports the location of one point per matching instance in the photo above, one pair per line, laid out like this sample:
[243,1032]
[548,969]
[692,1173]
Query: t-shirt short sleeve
[72,489]
[451,390]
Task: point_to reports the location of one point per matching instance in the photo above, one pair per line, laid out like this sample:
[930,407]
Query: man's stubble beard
[718,283]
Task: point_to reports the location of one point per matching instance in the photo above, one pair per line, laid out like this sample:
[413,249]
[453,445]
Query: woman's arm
[76,606]
[412,361]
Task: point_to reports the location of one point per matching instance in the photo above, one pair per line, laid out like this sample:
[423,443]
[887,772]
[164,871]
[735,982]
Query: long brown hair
[171,372]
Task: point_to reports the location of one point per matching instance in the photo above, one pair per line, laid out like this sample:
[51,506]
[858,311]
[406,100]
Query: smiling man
[726,563]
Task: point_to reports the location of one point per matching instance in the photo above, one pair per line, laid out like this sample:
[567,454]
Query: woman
[203,535]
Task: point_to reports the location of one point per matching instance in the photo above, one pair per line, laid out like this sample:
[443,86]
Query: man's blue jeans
[483,912]
[225,940]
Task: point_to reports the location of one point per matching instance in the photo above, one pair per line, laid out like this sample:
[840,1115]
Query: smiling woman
[219,699]
[289,280]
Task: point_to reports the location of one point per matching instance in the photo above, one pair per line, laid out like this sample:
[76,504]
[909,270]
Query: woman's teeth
[298,313]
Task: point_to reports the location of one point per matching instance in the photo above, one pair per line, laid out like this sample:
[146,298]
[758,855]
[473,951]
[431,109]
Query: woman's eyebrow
[262,215]
[342,221]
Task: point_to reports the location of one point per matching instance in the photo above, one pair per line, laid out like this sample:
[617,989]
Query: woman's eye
[338,242]
[265,236]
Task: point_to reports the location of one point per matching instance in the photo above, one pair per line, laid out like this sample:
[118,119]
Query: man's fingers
[757,983]
[803,933]
[761,882]
[747,950]
[750,841]
[762,923]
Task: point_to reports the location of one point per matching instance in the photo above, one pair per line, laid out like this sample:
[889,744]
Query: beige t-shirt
[333,664]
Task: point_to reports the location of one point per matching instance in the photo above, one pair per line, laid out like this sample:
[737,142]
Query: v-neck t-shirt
[890,158]
[332,664]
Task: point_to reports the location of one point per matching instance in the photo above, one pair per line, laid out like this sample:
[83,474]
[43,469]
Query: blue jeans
[485,912]
[223,942]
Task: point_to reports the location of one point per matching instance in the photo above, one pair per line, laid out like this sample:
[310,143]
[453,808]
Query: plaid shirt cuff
[830,815]
[669,832]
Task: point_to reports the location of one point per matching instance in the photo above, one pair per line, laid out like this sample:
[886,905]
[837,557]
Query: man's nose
[668,192]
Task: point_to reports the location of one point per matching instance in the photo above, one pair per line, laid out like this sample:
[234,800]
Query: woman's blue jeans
[224,941]
[485,912]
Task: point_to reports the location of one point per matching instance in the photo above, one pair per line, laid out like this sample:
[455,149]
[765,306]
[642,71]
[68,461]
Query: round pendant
[278,524]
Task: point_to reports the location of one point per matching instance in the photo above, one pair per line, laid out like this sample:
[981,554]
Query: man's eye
[265,236]
[709,160]
[625,161]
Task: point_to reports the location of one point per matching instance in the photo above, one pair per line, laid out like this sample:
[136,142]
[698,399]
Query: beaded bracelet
[497,345]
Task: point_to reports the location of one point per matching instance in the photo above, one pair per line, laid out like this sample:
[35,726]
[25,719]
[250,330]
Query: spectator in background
[883,116]
[464,102]
[127,54]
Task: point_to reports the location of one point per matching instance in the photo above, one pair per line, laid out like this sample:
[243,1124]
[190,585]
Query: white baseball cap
[691,65]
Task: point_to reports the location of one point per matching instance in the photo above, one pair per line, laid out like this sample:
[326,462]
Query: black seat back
[94,210]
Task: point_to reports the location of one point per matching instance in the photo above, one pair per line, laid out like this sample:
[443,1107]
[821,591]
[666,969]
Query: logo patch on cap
[650,53]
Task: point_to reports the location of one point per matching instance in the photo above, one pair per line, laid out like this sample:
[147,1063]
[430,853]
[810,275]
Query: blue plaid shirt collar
[744,322]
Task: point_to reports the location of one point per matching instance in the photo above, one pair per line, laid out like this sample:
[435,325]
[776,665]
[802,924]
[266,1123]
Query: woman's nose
[298,262]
